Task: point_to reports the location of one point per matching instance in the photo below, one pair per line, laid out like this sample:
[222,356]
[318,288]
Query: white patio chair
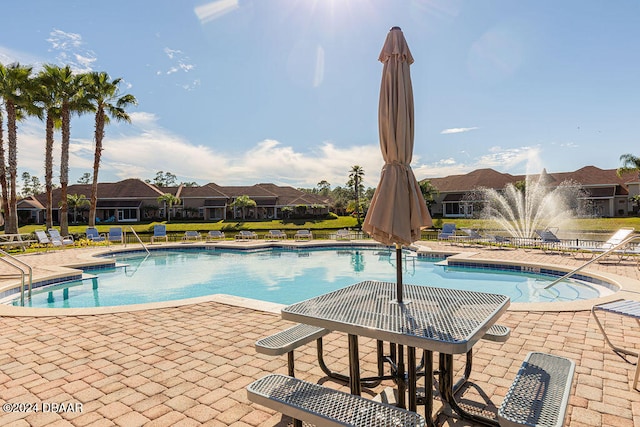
[58,240]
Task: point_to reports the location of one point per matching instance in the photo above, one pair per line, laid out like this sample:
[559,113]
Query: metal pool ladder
[607,252]
[20,266]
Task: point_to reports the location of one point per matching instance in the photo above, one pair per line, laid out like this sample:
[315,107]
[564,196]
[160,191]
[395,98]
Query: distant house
[133,200]
[608,194]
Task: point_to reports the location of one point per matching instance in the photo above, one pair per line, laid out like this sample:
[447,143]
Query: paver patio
[189,364]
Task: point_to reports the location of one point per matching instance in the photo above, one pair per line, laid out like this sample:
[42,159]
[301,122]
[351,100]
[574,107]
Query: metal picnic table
[447,321]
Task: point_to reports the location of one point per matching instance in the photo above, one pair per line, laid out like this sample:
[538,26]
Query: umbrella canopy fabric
[398,211]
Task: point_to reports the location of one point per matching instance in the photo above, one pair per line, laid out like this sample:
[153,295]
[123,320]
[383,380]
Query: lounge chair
[497,241]
[303,235]
[618,237]
[159,232]
[43,239]
[58,240]
[343,234]
[621,307]
[275,235]
[448,231]
[471,236]
[93,235]
[246,235]
[191,235]
[115,235]
[215,235]
[550,241]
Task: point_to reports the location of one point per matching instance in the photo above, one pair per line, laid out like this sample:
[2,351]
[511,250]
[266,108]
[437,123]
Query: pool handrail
[139,240]
[9,261]
[607,252]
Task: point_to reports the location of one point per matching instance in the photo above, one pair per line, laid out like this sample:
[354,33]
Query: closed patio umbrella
[398,211]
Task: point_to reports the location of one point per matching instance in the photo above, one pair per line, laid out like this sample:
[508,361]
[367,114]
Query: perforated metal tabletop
[443,320]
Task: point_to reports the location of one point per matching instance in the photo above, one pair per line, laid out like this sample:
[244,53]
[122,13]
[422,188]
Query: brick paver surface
[190,365]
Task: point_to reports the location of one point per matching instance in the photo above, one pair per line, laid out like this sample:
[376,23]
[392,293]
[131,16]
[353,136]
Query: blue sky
[286,91]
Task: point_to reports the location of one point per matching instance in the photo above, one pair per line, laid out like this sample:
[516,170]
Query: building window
[127,215]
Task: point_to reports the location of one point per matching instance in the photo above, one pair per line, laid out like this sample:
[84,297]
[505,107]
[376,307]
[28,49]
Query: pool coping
[628,287]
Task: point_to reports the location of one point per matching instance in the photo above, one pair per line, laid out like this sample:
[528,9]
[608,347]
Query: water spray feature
[520,209]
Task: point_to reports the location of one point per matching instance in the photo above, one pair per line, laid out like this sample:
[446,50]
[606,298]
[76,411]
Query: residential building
[607,194]
[133,200]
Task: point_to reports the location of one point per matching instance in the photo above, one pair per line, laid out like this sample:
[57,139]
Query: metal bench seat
[289,339]
[497,333]
[324,406]
[539,393]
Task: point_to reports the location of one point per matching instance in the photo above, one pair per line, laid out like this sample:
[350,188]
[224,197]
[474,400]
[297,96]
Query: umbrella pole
[399,272]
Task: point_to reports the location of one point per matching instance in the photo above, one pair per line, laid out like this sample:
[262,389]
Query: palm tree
[630,163]
[429,192]
[103,93]
[243,202]
[47,97]
[75,202]
[355,181]
[4,203]
[169,200]
[73,99]
[14,89]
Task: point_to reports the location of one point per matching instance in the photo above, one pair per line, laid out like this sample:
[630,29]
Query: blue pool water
[283,276]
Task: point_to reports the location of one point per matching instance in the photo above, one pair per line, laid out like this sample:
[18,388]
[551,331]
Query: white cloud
[569,144]
[148,147]
[272,161]
[171,52]
[512,160]
[71,51]
[457,130]
[179,62]
[140,149]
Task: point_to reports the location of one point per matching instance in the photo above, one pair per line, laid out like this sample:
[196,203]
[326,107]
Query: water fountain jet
[538,206]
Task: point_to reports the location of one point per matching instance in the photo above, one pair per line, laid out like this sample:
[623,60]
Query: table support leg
[392,353]
[354,366]
[428,387]
[291,364]
[446,391]
[380,351]
[413,378]
[467,372]
[400,381]
[366,382]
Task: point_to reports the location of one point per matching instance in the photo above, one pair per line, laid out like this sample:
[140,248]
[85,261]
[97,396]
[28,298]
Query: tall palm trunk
[99,135]
[3,171]
[48,168]
[357,188]
[11,225]
[64,169]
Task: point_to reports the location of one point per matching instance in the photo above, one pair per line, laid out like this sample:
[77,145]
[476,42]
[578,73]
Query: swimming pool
[284,275]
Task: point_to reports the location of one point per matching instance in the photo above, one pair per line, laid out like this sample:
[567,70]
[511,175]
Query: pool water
[283,276]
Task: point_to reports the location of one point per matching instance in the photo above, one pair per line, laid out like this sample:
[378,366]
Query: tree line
[353,198]
[53,95]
